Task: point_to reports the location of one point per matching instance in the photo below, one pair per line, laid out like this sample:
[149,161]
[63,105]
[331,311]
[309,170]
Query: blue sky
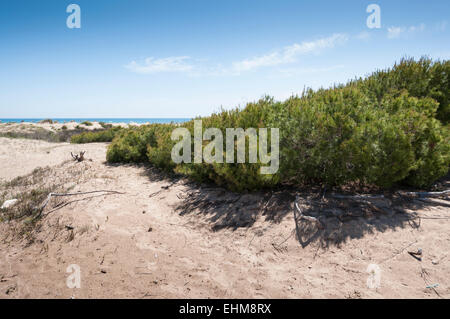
[183,59]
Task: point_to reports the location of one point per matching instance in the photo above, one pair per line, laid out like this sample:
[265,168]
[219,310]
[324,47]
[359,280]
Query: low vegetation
[105,125]
[79,134]
[30,191]
[96,136]
[39,133]
[48,121]
[23,219]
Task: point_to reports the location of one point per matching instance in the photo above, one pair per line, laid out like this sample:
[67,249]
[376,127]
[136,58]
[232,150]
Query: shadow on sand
[341,219]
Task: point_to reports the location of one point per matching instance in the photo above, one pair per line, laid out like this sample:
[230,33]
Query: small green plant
[46,121]
[95,136]
[105,125]
[87,123]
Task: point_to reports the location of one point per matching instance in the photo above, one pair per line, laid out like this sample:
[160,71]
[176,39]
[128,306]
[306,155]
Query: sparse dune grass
[49,134]
[32,190]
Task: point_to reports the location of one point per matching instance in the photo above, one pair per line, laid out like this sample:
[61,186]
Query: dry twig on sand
[78,157]
[44,204]
[434,201]
[338,196]
[426,194]
[305,217]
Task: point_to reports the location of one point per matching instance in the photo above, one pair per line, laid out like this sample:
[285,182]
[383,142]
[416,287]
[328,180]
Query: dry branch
[78,157]
[338,196]
[425,194]
[305,217]
[435,201]
[44,204]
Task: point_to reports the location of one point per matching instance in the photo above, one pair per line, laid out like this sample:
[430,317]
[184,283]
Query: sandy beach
[166,237]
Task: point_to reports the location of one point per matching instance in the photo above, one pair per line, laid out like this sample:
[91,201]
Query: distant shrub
[46,121]
[105,125]
[37,133]
[87,123]
[95,136]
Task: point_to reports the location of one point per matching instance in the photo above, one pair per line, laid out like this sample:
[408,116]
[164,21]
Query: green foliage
[95,136]
[423,78]
[235,176]
[47,121]
[105,125]
[137,143]
[87,123]
[389,128]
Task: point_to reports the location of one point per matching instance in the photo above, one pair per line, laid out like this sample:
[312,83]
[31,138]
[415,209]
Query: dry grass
[39,133]
[23,218]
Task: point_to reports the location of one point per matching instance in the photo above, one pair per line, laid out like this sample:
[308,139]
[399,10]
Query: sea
[106,120]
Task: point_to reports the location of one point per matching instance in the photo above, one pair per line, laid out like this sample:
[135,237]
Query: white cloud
[363,35]
[394,32]
[441,26]
[289,54]
[170,64]
[397,32]
[420,27]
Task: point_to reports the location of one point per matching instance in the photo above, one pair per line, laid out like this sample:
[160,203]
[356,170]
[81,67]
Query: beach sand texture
[163,239]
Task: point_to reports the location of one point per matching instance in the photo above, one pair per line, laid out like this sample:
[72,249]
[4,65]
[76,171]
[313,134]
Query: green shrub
[95,136]
[105,125]
[423,78]
[46,121]
[87,123]
[390,128]
[134,144]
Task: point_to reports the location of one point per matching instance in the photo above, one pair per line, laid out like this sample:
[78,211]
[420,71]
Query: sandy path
[138,245]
